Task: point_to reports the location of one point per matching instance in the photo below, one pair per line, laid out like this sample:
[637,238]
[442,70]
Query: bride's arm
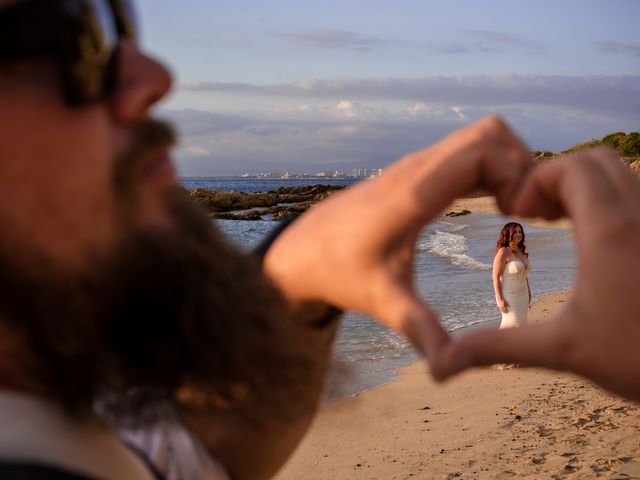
[498,268]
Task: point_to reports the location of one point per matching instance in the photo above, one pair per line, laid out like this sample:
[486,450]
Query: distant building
[366,172]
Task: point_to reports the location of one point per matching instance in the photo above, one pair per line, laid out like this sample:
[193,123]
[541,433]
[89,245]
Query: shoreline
[485,423]
[487,205]
[543,312]
[351,376]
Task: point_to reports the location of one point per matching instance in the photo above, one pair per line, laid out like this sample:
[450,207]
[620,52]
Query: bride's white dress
[516,293]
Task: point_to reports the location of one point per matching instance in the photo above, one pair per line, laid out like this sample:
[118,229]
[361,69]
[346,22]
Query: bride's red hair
[505,237]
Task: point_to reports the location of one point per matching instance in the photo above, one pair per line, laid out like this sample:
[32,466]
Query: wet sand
[484,424]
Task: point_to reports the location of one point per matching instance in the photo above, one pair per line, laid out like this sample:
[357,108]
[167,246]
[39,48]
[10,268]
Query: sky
[311,85]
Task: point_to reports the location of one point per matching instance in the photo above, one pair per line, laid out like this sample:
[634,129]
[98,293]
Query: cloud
[611,46]
[340,124]
[486,42]
[198,122]
[197,151]
[482,41]
[610,93]
[350,134]
[333,40]
[449,48]
[343,136]
[503,39]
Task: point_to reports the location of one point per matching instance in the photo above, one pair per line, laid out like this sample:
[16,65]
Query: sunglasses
[82,37]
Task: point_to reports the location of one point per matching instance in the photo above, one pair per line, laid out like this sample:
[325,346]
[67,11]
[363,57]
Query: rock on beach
[280,203]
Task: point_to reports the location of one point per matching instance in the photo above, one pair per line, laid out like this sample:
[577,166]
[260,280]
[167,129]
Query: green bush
[613,140]
[630,146]
[626,144]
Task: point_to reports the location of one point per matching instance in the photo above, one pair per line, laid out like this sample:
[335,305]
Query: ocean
[236,184]
[452,273]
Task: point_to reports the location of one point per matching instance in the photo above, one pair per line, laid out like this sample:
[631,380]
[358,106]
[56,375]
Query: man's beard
[169,311]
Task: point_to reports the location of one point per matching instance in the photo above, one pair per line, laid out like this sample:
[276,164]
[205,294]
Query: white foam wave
[454,227]
[453,247]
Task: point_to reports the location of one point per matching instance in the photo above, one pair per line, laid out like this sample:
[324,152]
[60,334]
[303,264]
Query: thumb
[542,345]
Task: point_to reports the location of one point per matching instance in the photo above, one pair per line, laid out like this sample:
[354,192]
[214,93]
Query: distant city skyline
[357,173]
[313,86]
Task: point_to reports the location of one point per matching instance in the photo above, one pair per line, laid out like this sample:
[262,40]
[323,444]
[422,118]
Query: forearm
[497,288]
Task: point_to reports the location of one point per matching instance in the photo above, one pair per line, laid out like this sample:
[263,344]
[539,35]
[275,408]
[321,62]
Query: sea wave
[453,247]
[453,227]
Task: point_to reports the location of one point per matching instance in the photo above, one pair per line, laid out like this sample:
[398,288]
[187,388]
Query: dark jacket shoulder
[30,471]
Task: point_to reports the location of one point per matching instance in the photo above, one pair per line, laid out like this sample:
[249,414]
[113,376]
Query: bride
[510,282]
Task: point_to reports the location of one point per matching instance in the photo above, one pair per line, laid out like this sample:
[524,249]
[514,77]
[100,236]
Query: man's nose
[141,82]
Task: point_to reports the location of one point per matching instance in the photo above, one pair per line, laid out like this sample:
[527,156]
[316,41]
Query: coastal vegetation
[626,144]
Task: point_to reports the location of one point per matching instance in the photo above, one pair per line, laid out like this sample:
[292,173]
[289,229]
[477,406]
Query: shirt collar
[38,431]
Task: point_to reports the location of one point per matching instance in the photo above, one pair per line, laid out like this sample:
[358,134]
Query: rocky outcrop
[305,194]
[277,204]
[293,210]
[459,213]
[217,201]
[541,156]
[249,215]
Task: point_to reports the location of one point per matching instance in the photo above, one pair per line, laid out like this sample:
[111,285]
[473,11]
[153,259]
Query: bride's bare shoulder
[502,253]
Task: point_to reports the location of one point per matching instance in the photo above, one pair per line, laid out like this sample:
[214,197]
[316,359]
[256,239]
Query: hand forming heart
[355,251]
[598,332]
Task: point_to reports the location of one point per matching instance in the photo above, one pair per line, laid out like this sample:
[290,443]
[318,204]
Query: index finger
[583,188]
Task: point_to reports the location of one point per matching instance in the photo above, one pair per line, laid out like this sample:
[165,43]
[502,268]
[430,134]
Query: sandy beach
[487,204]
[486,423]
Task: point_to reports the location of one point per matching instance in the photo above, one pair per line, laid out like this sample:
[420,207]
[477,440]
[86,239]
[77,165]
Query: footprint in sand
[506,474]
[543,431]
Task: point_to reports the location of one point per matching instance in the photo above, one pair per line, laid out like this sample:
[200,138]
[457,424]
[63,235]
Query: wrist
[315,314]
